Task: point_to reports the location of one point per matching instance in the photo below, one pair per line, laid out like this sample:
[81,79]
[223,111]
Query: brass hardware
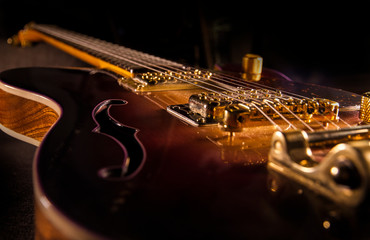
[341,175]
[365,108]
[252,67]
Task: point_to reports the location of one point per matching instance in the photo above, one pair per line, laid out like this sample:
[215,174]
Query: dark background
[312,42]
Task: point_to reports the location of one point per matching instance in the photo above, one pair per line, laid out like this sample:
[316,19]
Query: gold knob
[365,108]
[252,67]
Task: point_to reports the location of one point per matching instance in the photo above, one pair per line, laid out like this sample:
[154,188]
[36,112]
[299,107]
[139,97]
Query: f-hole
[125,136]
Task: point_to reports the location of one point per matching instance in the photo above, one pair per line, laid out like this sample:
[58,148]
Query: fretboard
[115,54]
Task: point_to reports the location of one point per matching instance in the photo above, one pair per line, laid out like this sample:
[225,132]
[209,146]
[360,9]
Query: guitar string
[214,77]
[274,109]
[277,97]
[52,32]
[89,40]
[271,107]
[109,48]
[278,127]
[110,45]
[236,81]
[344,122]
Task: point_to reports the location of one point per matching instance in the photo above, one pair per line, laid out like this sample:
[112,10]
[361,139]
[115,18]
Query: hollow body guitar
[152,148]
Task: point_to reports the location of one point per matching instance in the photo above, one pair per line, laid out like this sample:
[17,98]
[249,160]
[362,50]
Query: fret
[104,50]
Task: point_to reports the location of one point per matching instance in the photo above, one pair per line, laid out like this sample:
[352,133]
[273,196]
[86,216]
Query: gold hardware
[252,67]
[341,175]
[153,78]
[234,111]
[365,108]
[167,80]
[211,106]
[236,116]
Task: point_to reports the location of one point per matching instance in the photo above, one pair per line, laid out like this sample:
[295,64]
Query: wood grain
[26,117]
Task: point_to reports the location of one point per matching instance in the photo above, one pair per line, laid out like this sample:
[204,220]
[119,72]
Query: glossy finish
[195,183]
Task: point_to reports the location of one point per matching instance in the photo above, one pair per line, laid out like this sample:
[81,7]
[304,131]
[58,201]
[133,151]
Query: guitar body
[114,164]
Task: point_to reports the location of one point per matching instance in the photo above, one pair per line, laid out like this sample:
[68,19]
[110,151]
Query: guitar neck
[138,71]
[99,53]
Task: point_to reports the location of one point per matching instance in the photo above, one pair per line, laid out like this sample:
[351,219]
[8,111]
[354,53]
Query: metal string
[108,46]
[136,58]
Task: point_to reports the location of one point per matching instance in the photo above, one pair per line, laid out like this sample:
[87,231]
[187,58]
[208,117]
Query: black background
[312,42]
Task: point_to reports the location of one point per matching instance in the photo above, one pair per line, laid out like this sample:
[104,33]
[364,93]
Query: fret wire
[78,42]
[84,42]
[146,66]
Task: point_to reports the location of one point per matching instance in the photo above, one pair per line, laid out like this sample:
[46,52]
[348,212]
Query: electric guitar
[142,147]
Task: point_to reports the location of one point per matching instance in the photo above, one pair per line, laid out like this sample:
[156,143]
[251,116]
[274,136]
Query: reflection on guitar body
[184,152]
